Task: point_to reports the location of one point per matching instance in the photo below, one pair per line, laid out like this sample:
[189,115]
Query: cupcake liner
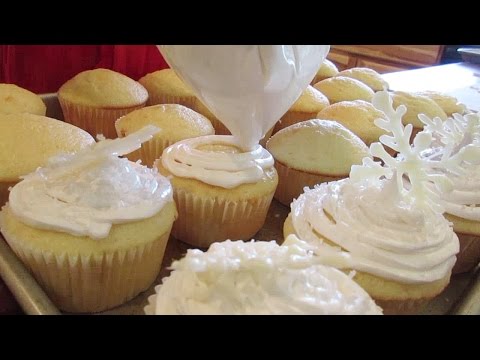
[469,255]
[93,283]
[405,307]
[291,182]
[157,99]
[4,192]
[293,117]
[95,120]
[149,151]
[204,220]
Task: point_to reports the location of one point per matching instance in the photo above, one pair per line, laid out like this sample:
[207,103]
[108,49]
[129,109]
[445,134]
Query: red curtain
[44,68]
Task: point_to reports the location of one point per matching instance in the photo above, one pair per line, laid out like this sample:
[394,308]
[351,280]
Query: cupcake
[27,141]
[312,152]
[15,100]
[91,227]
[165,87]
[176,122]
[221,129]
[417,104]
[392,233]
[456,135]
[449,104]
[94,99]
[221,191]
[358,116]
[305,108]
[257,278]
[369,77]
[341,88]
[327,70]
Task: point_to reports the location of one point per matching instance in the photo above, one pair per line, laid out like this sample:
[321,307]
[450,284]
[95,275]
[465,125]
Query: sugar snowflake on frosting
[410,170]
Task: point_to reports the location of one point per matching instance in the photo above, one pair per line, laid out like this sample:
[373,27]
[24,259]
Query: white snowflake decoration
[410,164]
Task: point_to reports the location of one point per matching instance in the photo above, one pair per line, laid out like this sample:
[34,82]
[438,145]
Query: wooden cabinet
[385,58]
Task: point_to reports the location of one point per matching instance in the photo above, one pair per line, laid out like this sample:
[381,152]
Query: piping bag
[247,87]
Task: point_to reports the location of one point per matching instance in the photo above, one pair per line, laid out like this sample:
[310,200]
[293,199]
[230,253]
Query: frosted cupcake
[327,70]
[176,123]
[462,204]
[305,108]
[369,77]
[94,99]
[342,88]
[92,228]
[16,100]
[221,191]
[312,152]
[392,233]
[257,278]
[165,87]
[27,141]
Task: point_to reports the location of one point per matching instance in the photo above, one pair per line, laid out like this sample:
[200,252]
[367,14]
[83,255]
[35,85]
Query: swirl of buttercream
[257,278]
[374,231]
[223,169]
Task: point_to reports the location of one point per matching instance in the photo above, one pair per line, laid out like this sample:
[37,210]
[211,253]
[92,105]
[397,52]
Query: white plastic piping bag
[247,87]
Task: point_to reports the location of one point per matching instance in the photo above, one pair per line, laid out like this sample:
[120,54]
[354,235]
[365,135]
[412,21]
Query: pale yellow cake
[14,100]
[341,88]
[369,77]
[327,70]
[448,103]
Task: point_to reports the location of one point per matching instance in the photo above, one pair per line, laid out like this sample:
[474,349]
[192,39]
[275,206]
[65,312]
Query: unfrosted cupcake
[221,191]
[257,278]
[176,123]
[449,104]
[92,228]
[94,99]
[369,77]
[393,234]
[27,141]
[305,108]
[15,100]
[165,87]
[341,88]
[312,152]
[327,70]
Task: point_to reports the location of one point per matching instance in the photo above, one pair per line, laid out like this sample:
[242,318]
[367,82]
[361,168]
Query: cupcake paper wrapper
[94,283]
[291,182]
[188,101]
[202,221]
[293,117]
[150,151]
[94,120]
[404,307]
[469,255]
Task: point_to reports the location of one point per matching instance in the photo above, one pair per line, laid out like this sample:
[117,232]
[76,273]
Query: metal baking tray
[462,296]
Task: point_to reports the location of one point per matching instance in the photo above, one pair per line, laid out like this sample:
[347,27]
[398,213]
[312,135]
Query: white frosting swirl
[239,278]
[84,194]
[224,169]
[402,242]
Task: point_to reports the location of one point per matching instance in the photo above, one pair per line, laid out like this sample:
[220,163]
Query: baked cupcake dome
[305,108]
[176,122]
[94,99]
[165,87]
[449,104]
[358,116]
[15,100]
[369,77]
[341,88]
[27,141]
[221,192]
[327,70]
[312,152]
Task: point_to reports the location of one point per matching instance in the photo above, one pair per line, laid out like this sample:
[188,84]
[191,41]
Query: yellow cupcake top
[369,77]
[357,116]
[341,88]
[326,70]
[27,141]
[202,109]
[165,82]
[448,103]
[15,100]
[417,104]
[176,122]
[311,100]
[318,146]
[103,88]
